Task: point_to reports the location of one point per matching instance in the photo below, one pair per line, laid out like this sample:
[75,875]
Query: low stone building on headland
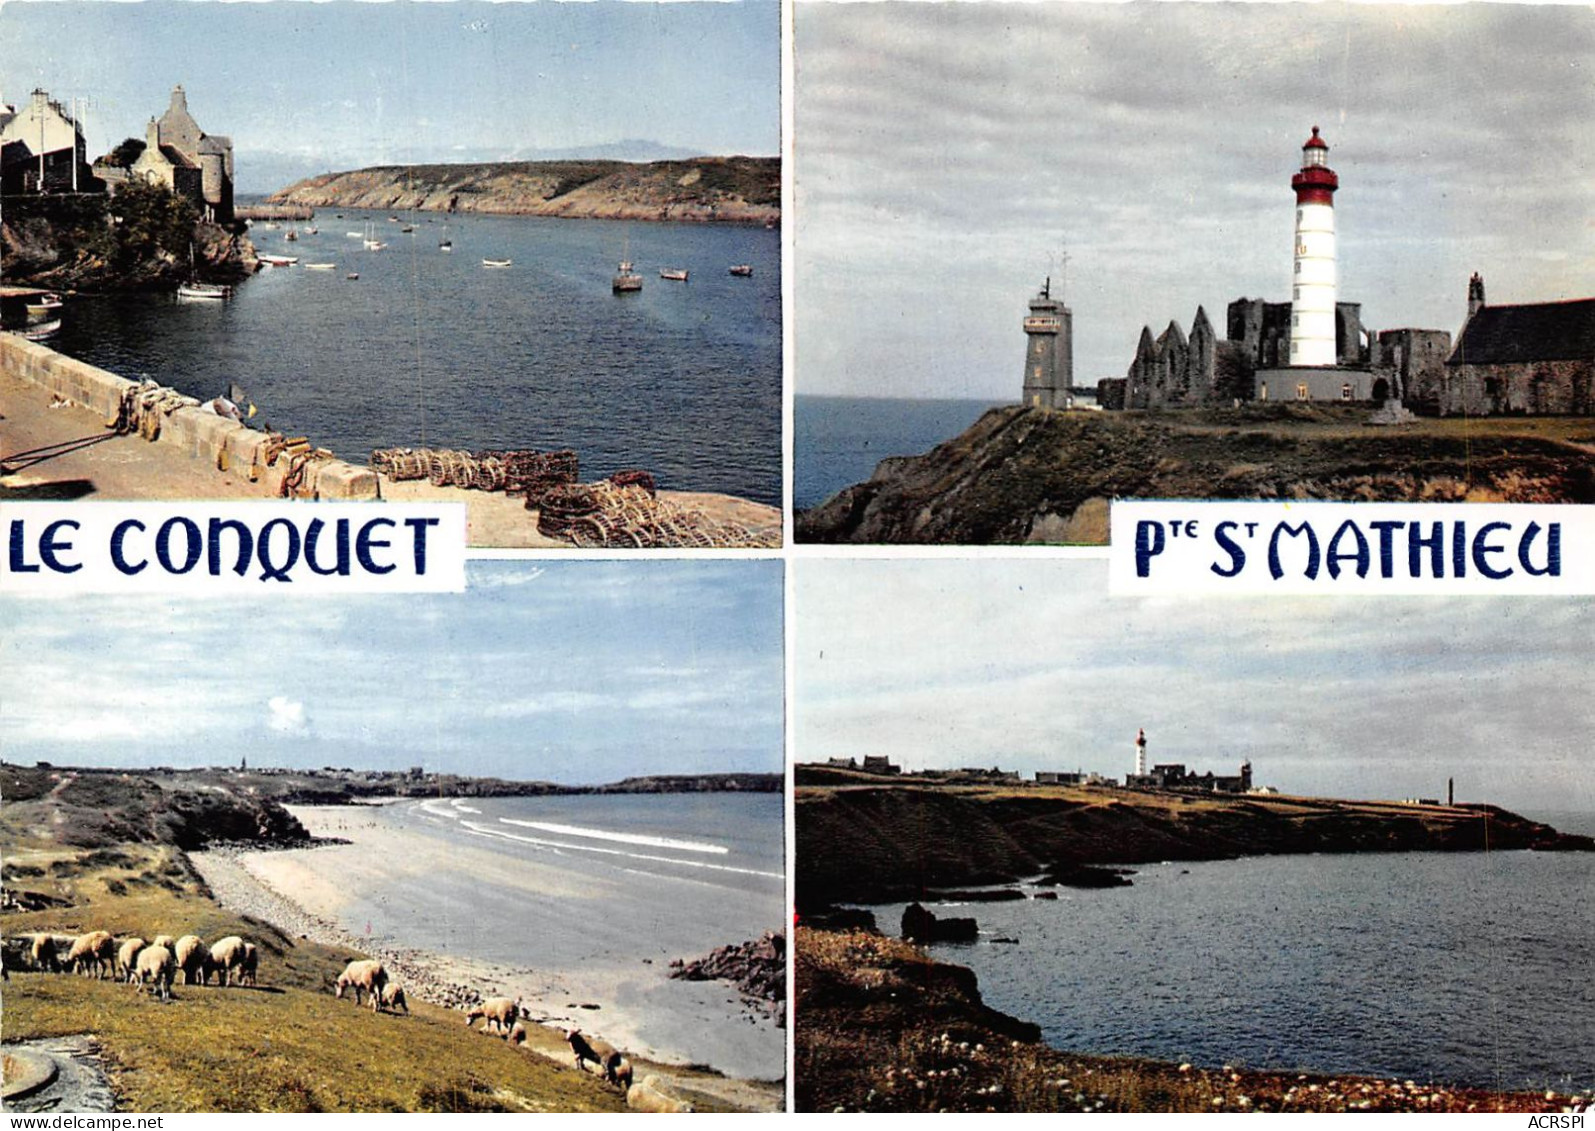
[184,158]
[1534,359]
[1173,775]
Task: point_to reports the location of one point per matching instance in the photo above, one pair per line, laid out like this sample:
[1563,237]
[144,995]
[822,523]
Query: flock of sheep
[140,963]
[368,978]
[234,961]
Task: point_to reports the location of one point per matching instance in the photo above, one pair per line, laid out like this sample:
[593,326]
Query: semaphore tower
[1049,351]
[1312,309]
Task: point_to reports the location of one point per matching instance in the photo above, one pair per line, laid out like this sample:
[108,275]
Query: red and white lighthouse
[1312,305]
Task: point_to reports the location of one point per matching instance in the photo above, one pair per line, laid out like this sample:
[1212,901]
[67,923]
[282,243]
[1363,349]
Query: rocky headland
[1021,474]
[744,190]
[144,238]
[862,843]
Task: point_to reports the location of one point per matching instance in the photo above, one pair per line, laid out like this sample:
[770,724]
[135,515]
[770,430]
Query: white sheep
[191,954]
[97,949]
[364,976]
[501,1014]
[155,965]
[126,955]
[226,955]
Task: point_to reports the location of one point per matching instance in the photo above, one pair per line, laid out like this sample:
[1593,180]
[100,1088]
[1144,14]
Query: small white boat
[742,270]
[312,231]
[279,260]
[352,275]
[355,235]
[212,291]
[445,245]
[678,274]
[496,262]
[42,306]
[40,330]
[321,266]
[375,245]
[292,235]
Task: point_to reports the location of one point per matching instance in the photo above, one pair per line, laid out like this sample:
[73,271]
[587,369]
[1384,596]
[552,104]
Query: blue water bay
[1463,968]
[428,348]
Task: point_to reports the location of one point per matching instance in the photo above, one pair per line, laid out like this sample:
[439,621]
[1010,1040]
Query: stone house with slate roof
[184,158]
[1535,359]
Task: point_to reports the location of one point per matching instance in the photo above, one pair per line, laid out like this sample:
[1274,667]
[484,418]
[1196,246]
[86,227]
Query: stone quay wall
[196,431]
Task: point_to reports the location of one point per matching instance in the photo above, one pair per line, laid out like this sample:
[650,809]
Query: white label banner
[208,548]
[1367,549]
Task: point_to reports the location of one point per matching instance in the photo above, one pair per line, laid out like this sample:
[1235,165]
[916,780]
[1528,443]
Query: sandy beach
[625,999]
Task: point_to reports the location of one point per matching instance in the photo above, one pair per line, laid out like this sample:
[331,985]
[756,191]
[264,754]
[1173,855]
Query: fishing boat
[208,291]
[321,266]
[496,262]
[742,270]
[678,274]
[43,305]
[626,279]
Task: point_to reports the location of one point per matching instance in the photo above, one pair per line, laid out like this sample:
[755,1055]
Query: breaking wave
[620,838]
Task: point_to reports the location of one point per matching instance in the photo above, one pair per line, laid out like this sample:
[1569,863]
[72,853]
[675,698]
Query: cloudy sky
[1029,665]
[307,87]
[946,155]
[572,672]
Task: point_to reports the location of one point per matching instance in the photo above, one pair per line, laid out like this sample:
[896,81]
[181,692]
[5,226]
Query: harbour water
[595,895]
[428,348]
[1459,968]
[837,441]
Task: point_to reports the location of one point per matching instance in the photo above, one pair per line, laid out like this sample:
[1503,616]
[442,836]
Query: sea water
[429,348]
[837,441]
[617,885]
[1465,968]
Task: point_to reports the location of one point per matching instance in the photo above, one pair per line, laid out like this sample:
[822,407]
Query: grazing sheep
[97,949]
[654,1095]
[155,965]
[618,1072]
[392,998]
[191,954]
[251,963]
[583,1050]
[365,975]
[44,951]
[501,1014]
[225,956]
[126,956]
[165,940]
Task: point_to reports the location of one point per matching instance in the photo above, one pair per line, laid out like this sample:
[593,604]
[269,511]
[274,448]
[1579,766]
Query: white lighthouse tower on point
[1312,306]
[1140,753]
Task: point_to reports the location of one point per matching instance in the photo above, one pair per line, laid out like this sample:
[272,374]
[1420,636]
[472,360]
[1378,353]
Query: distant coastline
[881,841]
[738,190]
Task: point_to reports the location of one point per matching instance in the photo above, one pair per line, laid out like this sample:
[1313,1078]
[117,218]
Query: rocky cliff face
[872,845]
[728,189]
[1037,475]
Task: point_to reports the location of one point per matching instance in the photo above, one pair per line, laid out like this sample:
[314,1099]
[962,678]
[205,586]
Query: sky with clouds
[572,672]
[1030,665]
[310,87]
[947,154]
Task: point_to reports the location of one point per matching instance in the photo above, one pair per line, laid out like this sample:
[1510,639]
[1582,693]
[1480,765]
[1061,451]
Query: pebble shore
[236,889]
